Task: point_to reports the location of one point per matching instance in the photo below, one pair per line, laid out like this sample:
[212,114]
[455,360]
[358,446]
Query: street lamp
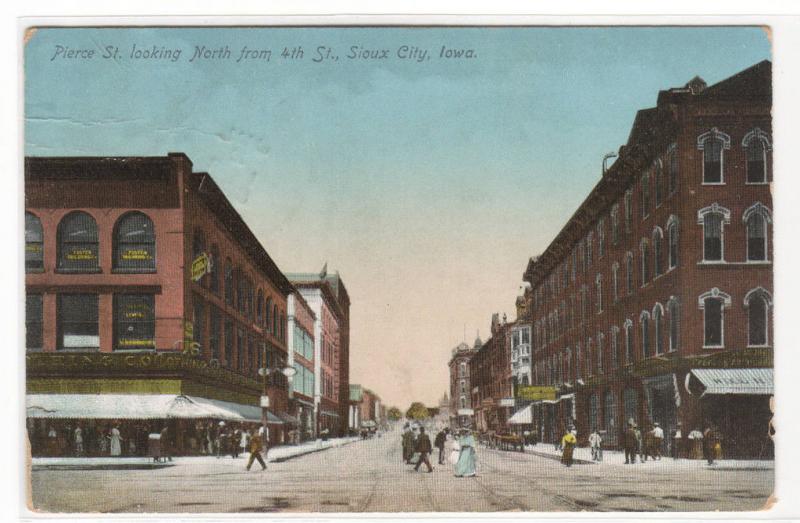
[289,372]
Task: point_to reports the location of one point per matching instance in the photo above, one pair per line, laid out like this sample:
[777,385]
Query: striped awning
[523,416]
[734,381]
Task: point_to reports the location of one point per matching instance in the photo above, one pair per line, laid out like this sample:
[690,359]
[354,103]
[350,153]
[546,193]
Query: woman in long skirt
[568,444]
[465,467]
[116,446]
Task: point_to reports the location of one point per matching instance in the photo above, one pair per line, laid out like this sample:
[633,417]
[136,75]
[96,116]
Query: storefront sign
[81,255]
[506,402]
[201,266]
[532,393]
[133,254]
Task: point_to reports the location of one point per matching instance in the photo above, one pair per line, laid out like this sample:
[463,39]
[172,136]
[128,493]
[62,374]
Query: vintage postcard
[360,269]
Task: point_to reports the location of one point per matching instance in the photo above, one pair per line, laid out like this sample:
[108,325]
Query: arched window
[259,305]
[672,156]
[672,233]
[614,347]
[593,413]
[229,283]
[756,219]
[758,302]
[134,243]
[275,320]
[615,280]
[589,241]
[644,248]
[601,238]
[713,304]
[645,194]
[578,362]
[712,219]
[601,349]
[659,186]
[644,319]
[756,144]
[628,326]
[658,327]
[34,243]
[658,251]
[712,144]
[77,243]
[674,323]
[629,272]
[589,356]
[598,282]
[462,369]
[615,224]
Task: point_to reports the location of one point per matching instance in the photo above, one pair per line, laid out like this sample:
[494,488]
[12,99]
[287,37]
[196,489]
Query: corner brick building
[654,301]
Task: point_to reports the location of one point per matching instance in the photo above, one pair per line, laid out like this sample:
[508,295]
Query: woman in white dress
[116,438]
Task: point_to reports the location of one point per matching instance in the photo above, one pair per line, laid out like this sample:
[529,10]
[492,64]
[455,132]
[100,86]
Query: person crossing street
[439,442]
[255,451]
[423,446]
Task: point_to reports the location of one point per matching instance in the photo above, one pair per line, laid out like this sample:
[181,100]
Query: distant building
[461,411]
[491,379]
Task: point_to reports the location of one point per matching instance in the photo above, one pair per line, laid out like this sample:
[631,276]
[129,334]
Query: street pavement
[369,476]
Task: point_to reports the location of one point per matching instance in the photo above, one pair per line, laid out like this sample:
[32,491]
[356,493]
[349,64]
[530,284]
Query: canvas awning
[734,381]
[523,416]
[139,406]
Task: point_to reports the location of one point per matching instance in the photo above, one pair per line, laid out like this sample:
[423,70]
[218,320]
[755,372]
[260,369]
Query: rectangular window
[228,352]
[33,321]
[77,321]
[712,237]
[712,161]
[134,321]
[713,322]
[215,324]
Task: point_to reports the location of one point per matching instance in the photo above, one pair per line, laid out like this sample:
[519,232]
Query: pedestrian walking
[116,438]
[407,439]
[658,440]
[629,443]
[439,442]
[711,444]
[423,446]
[78,441]
[594,442]
[465,466]
[647,445]
[568,443]
[255,451]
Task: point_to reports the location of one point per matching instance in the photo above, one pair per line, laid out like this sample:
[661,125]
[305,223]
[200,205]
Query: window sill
[713,347]
[712,184]
[78,349]
[759,346]
[132,271]
[135,351]
[712,262]
[79,271]
[756,183]
[35,271]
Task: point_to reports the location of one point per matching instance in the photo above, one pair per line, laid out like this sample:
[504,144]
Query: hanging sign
[201,266]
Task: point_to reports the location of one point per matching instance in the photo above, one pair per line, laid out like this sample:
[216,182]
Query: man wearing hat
[658,440]
[630,442]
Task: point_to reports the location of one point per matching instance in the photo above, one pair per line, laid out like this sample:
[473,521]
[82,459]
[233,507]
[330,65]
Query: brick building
[653,302]
[491,379]
[301,339]
[328,299]
[149,302]
[461,411]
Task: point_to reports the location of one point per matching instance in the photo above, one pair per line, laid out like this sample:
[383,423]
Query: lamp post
[289,372]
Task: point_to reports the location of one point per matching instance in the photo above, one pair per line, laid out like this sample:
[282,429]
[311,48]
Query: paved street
[368,476]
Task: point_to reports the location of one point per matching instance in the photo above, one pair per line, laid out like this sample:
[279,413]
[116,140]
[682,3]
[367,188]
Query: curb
[575,461]
[310,451]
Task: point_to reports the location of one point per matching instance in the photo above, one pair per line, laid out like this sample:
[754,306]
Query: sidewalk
[275,454]
[583,455]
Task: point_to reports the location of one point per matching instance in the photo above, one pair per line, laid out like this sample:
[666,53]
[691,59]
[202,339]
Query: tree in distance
[417,411]
[394,414]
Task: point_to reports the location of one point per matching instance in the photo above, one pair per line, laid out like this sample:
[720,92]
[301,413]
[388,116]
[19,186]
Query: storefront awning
[734,381]
[139,406]
[523,416]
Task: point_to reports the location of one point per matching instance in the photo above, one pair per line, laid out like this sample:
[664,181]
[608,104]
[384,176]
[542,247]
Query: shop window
[134,243]
[713,219]
[756,144]
[758,302]
[214,331]
[77,318]
[33,321]
[713,143]
[756,219]
[34,243]
[78,243]
[134,322]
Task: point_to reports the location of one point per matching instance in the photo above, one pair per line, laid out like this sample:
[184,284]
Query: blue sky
[427,185]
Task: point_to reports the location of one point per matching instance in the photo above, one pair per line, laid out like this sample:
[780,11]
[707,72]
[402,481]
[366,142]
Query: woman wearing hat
[465,467]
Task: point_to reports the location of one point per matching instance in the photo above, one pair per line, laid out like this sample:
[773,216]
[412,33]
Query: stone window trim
[725,298]
[759,293]
[758,209]
[708,136]
[763,137]
[715,208]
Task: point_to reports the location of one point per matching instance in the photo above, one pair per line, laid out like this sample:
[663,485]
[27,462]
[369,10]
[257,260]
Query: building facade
[461,409]
[654,302]
[491,379]
[149,289]
[302,339]
[329,301]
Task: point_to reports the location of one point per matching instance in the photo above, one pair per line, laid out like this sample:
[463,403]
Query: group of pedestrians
[644,444]
[458,448]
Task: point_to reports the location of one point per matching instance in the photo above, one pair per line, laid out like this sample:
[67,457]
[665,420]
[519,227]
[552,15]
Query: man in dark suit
[423,446]
[441,437]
